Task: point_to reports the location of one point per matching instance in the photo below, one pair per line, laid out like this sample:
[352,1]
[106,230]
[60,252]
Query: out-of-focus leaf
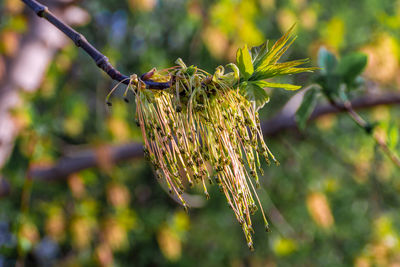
[284,246]
[244,63]
[333,32]
[285,86]
[169,243]
[351,66]
[326,61]
[254,93]
[393,136]
[320,210]
[306,107]
[330,84]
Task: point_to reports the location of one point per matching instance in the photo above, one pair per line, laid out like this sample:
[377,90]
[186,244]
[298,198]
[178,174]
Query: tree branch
[368,128]
[4,188]
[86,159]
[80,41]
[282,121]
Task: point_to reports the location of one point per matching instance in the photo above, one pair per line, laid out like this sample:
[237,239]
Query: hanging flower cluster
[205,128]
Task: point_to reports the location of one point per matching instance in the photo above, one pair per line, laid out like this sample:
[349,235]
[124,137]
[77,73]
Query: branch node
[102,62]
[41,10]
[79,39]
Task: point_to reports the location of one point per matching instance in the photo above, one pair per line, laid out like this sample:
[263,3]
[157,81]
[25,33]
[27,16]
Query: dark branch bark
[80,41]
[5,189]
[86,159]
[277,124]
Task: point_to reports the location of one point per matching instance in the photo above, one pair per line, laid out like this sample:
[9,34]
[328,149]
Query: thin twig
[382,144]
[368,129]
[80,41]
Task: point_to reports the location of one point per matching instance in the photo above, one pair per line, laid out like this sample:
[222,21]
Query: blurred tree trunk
[25,69]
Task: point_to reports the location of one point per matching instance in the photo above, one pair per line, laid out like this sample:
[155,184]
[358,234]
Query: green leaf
[244,63]
[330,84]
[276,51]
[254,93]
[393,136]
[351,66]
[286,86]
[326,61]
[258,52]
[307,107]
[279,69]
[265,61]
[235,70]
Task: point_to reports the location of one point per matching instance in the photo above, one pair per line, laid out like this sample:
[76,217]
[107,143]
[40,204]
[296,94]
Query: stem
[367,127]
[80,41]
[352,113]
[387,151]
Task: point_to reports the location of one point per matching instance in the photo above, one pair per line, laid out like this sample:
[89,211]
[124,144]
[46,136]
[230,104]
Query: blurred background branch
[335,195]
[284,120]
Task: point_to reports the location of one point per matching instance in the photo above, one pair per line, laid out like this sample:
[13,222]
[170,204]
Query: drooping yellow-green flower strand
[205,128]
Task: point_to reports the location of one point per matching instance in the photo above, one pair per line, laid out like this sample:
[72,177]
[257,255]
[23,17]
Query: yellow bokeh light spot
[319,209]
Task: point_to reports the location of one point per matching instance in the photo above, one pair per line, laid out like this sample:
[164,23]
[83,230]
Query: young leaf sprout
[205,128]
